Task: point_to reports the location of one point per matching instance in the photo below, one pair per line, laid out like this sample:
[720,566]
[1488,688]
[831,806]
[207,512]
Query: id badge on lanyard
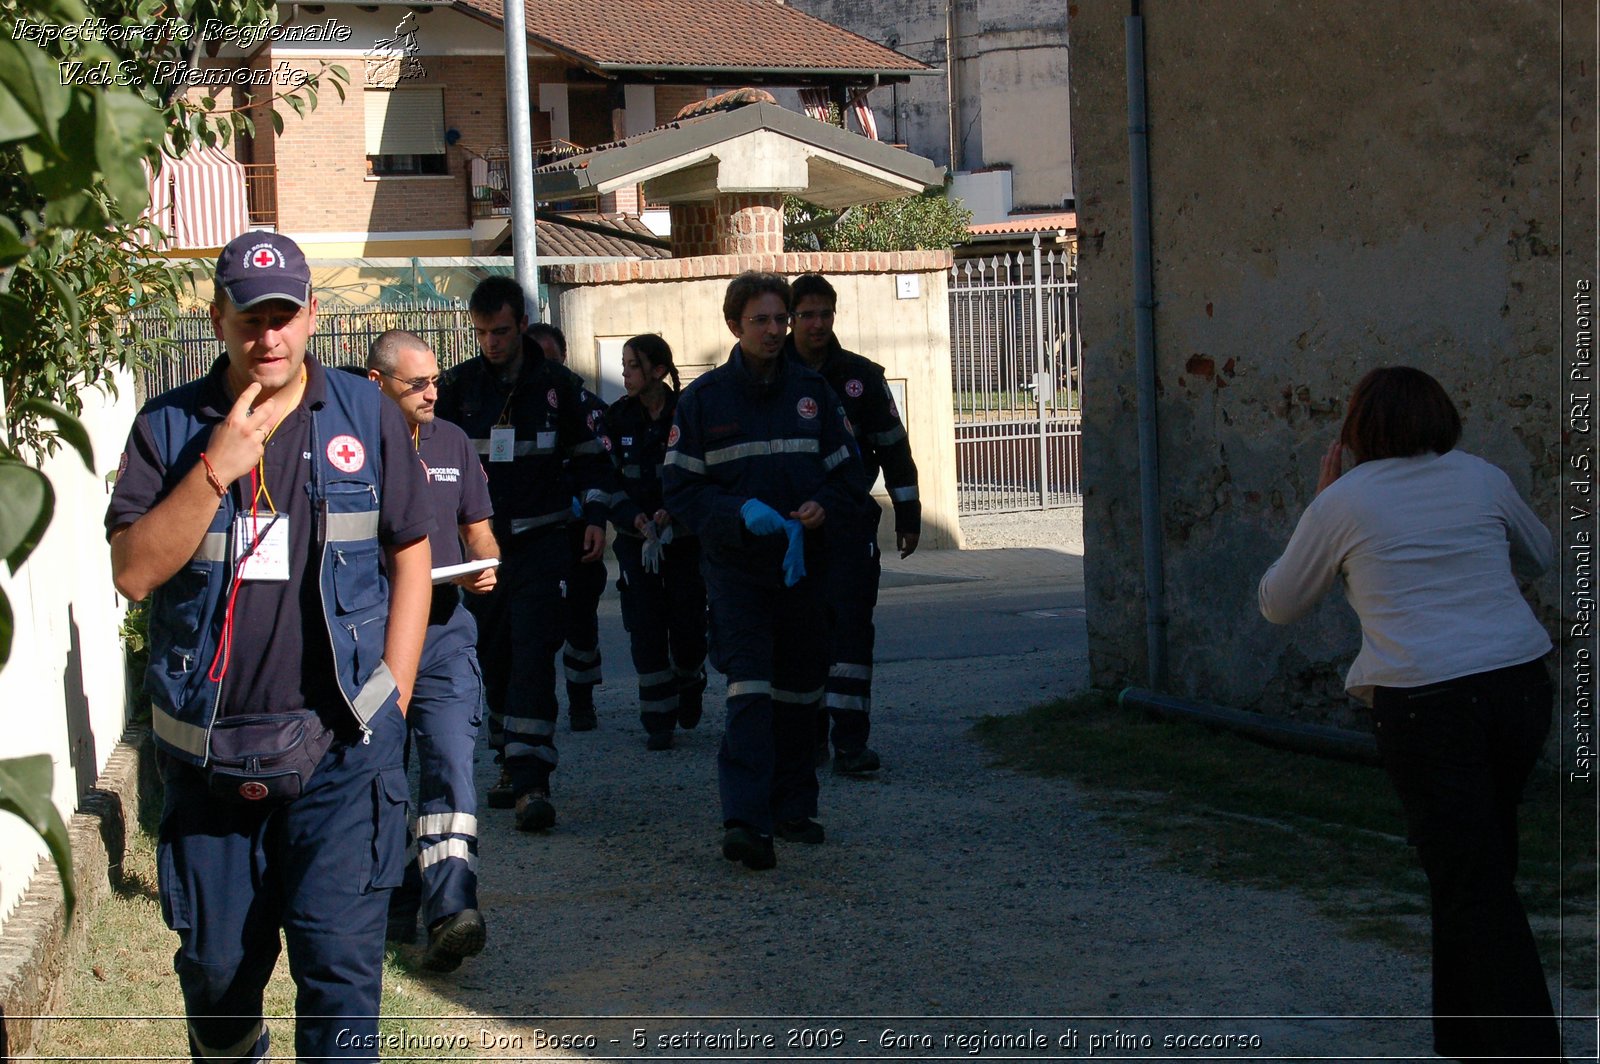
[502,443]
[262,543]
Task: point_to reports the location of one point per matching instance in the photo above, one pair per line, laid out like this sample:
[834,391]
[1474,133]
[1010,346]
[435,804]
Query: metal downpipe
[1145,360]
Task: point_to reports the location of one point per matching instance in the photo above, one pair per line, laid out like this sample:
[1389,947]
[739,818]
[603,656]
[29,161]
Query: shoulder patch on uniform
[551,398]
[672,437]
[347,454]
[806,407]
[853,388]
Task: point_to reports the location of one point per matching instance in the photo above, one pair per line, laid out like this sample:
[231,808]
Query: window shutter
[405,121]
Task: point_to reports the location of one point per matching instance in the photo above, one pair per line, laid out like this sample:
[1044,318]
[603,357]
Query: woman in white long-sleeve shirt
[1429,542]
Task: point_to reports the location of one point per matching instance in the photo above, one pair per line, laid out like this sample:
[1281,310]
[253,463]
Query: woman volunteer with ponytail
[663,593]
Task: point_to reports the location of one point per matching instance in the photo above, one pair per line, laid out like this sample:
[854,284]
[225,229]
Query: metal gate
[1016,365]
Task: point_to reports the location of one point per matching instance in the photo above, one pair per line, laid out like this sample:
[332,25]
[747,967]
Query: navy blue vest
[186,613]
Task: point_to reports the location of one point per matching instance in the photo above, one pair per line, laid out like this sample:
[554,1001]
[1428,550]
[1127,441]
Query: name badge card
[502,443]
[270,535]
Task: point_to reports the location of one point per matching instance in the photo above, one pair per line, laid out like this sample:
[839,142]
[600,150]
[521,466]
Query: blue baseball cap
[258,266]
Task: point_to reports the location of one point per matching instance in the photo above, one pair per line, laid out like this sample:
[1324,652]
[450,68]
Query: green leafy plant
[929,221]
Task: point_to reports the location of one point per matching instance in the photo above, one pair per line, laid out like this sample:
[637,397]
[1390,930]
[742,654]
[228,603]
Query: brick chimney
[746,223]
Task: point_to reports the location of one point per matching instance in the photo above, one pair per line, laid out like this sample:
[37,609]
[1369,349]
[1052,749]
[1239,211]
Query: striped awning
[198,200]
[816,102]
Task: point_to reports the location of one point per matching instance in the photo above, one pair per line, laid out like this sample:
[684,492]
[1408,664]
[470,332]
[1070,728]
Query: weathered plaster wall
[1011,80]
[681,299]
[1334,187]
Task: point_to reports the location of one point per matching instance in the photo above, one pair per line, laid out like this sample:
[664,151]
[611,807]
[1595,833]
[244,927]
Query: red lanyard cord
[219,663]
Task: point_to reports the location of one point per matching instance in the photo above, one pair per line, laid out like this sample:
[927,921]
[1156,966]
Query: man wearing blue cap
[276,515]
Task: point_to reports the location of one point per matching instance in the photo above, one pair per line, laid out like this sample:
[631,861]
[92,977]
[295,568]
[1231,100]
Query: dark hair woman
[1429,542]
[663,593]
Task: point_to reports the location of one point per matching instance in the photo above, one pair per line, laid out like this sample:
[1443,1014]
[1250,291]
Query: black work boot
[580,707]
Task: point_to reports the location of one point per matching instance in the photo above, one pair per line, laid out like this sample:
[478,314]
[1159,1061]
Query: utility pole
[519,109]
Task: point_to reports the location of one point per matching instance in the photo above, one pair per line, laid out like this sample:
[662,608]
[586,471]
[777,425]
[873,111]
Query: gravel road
[956,909]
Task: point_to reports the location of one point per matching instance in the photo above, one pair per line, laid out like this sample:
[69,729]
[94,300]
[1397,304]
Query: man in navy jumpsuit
[759,462]
[580,591]
[526,417]
[255,505]
[854,566]
[443,716]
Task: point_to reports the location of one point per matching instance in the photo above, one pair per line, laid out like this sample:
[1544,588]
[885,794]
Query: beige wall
[1011,86]
[1334,187]
[682,300]
[62,692]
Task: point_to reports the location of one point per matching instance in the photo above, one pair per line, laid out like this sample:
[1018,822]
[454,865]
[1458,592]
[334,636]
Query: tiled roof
[708,35]
[1027,223]
[559,240]
[857,167]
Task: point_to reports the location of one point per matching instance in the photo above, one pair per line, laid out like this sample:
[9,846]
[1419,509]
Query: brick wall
[670,99]
[694,229]
[623,201]
[322,176]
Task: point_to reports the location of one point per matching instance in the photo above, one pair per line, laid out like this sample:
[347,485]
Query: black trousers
[1460,753]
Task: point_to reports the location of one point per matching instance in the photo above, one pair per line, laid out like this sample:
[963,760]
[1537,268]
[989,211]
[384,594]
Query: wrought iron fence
[1016,368]
[342,338]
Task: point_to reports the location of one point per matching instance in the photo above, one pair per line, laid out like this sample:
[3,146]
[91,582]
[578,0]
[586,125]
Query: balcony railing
[261,192]
[489,186]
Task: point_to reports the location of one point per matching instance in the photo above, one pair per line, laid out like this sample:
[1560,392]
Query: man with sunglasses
[760,464]
[443,718]
[854,565]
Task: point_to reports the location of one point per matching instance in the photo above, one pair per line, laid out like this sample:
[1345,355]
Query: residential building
[412,160]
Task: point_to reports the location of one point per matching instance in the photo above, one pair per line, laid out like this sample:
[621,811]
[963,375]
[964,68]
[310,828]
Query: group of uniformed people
[288,522]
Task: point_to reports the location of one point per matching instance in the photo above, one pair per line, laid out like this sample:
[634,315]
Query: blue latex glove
[761,519]
[794,559]
[650,553]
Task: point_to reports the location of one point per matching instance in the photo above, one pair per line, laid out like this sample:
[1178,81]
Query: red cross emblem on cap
[264,257]
[347,454]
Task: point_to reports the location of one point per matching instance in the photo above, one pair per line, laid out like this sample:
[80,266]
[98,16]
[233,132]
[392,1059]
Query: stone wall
[1334,187]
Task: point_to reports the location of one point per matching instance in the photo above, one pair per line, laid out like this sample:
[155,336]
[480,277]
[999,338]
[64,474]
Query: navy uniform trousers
[443,720]
[1459,753]
[321,868]
[665,615]
[855,566]
[581,589]
[519,635]
[771,643]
